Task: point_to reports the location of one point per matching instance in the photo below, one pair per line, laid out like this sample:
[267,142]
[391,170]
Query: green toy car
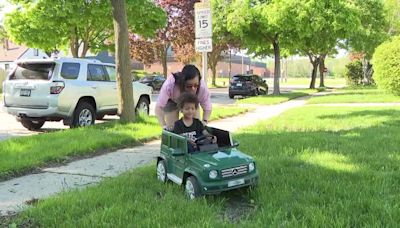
[212,169]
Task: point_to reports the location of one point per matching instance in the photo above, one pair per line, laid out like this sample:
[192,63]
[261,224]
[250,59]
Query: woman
[188,80]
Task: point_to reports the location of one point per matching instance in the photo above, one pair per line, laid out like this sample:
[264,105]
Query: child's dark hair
[188,72]
[187,98]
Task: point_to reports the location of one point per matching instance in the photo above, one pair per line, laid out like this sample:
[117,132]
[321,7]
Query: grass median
[319,166]
[25,154]
[355,95]
[276,99]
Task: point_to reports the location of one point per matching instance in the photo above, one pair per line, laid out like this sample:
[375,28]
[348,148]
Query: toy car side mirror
[177,152]
[235,143]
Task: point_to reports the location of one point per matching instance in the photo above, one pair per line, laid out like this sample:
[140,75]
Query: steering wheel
[204,140]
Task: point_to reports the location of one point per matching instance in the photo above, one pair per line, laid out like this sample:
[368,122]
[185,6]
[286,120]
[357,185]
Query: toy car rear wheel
[192,188]
[162,171]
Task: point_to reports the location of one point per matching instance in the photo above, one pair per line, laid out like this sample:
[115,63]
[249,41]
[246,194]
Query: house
[9,52]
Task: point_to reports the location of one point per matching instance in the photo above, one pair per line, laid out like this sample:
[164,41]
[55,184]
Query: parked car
[154,81]
[77,91]
[212,169]
[247,85]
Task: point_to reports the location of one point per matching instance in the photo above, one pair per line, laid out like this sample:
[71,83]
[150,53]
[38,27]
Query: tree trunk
[126,108]
[315,62]
[367,72]
[321,70]
[230,63]
[164,59]
[73,43]
[277,71]
[214,74]
[85,49]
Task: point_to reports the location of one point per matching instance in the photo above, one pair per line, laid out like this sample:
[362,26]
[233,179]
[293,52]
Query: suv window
[240,78]
[96,73]
[33,71]
[70,70]
[111,73]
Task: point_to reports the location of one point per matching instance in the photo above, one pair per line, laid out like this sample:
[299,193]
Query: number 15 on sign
[203,19]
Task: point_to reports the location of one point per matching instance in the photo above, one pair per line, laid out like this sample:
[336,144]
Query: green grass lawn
[306,82]
[319,167]
[276,99]
[356,95]
[23,154]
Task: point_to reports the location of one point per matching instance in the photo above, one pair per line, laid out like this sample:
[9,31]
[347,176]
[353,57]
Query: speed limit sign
[202,11]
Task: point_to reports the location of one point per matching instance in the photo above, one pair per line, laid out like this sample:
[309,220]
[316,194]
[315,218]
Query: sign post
[203,25]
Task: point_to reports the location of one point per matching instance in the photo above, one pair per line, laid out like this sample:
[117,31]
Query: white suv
[77,91]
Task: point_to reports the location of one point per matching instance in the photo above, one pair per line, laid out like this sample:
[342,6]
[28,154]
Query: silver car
[77,91]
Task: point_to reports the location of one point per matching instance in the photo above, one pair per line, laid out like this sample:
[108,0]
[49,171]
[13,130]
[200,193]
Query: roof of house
[12,53]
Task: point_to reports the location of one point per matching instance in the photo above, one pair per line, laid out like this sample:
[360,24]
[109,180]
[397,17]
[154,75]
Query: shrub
[354,73]
[386,61]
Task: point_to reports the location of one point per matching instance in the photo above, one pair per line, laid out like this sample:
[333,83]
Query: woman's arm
[206,115]
[160,116]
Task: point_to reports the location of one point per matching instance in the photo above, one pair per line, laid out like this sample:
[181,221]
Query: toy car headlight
[213,174]
[251,167]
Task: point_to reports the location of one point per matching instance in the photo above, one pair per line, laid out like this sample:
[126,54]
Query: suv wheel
[143,106]
[32,125]
[192,188]
[255,93]
[162,171]
[231,96]
[84,115]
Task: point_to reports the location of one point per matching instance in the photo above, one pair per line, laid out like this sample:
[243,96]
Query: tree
[79,25]
[178,33]
[126,109]
[321,24]
[371,33]
[223,40]
[262,27]
[392,8]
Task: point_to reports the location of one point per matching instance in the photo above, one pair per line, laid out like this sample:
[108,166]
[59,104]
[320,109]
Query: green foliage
[386,63]
[51,24]
[372,29]
[354,73]
[392,8]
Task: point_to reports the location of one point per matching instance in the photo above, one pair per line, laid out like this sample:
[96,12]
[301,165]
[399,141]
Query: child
[188,126]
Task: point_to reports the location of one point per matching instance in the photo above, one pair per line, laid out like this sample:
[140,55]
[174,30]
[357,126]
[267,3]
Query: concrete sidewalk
[16,192]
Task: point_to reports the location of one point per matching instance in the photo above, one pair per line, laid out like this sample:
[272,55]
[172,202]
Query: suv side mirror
[177,152]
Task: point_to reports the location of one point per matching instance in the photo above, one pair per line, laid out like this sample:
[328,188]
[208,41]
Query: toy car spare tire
[84,115]
[32,125]
[142,106]
[162,171]
[192,188]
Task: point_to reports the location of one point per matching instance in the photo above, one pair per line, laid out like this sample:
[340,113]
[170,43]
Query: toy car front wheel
[192,188]
[162,171]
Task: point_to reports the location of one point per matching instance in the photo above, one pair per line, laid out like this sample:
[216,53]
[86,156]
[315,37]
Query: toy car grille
[235,171]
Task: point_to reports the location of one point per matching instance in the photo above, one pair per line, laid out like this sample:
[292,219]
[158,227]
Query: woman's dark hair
[187,98]
[188,72]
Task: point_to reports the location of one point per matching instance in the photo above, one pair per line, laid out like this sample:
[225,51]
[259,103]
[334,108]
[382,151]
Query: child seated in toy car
[189,126]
